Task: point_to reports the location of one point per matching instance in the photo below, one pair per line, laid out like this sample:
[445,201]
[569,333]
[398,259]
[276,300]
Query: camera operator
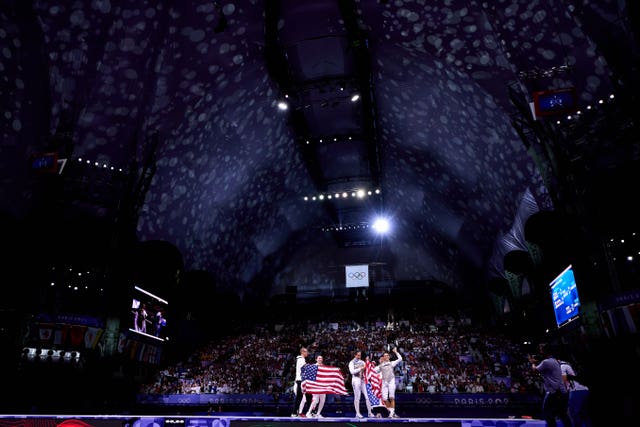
[556,399]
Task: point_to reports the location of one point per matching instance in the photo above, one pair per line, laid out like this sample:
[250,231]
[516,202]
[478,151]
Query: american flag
[322,379]
[373,382]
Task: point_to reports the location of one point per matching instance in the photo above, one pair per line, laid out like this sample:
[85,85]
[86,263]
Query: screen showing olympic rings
[357,276]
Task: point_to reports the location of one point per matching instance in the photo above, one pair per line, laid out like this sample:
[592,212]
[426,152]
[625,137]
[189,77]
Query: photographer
[556,399]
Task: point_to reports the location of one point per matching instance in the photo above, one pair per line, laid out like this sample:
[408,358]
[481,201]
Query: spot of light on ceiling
[381,225]
[283,106]
[355,97]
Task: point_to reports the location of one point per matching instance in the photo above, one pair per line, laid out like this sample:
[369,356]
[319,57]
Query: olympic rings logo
[359,275]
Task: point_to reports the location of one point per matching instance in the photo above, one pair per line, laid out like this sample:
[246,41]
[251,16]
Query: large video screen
[564,295]
[148,314]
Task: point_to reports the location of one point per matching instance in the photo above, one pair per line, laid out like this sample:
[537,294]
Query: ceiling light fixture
[381,225]
[358,193]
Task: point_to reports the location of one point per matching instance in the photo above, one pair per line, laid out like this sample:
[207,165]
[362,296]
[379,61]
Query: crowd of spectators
[445,354]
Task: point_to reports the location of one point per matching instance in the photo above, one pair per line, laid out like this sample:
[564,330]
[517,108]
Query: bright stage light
[381,225]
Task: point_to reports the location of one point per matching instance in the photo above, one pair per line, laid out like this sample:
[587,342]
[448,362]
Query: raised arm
[399,357]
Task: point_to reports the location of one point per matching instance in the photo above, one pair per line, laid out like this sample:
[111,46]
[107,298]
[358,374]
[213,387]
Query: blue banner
[466,400]
[206,399]
[70,319]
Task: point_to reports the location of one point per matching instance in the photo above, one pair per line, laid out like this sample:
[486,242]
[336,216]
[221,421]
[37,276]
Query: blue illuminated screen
[564,294]
[552,102]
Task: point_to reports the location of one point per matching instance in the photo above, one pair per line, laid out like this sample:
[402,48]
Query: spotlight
[381,225]
[283,106]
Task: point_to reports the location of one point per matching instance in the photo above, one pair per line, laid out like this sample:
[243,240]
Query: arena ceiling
[167,115]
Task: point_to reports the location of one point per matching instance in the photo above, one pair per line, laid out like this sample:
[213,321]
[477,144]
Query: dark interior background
[175,168]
